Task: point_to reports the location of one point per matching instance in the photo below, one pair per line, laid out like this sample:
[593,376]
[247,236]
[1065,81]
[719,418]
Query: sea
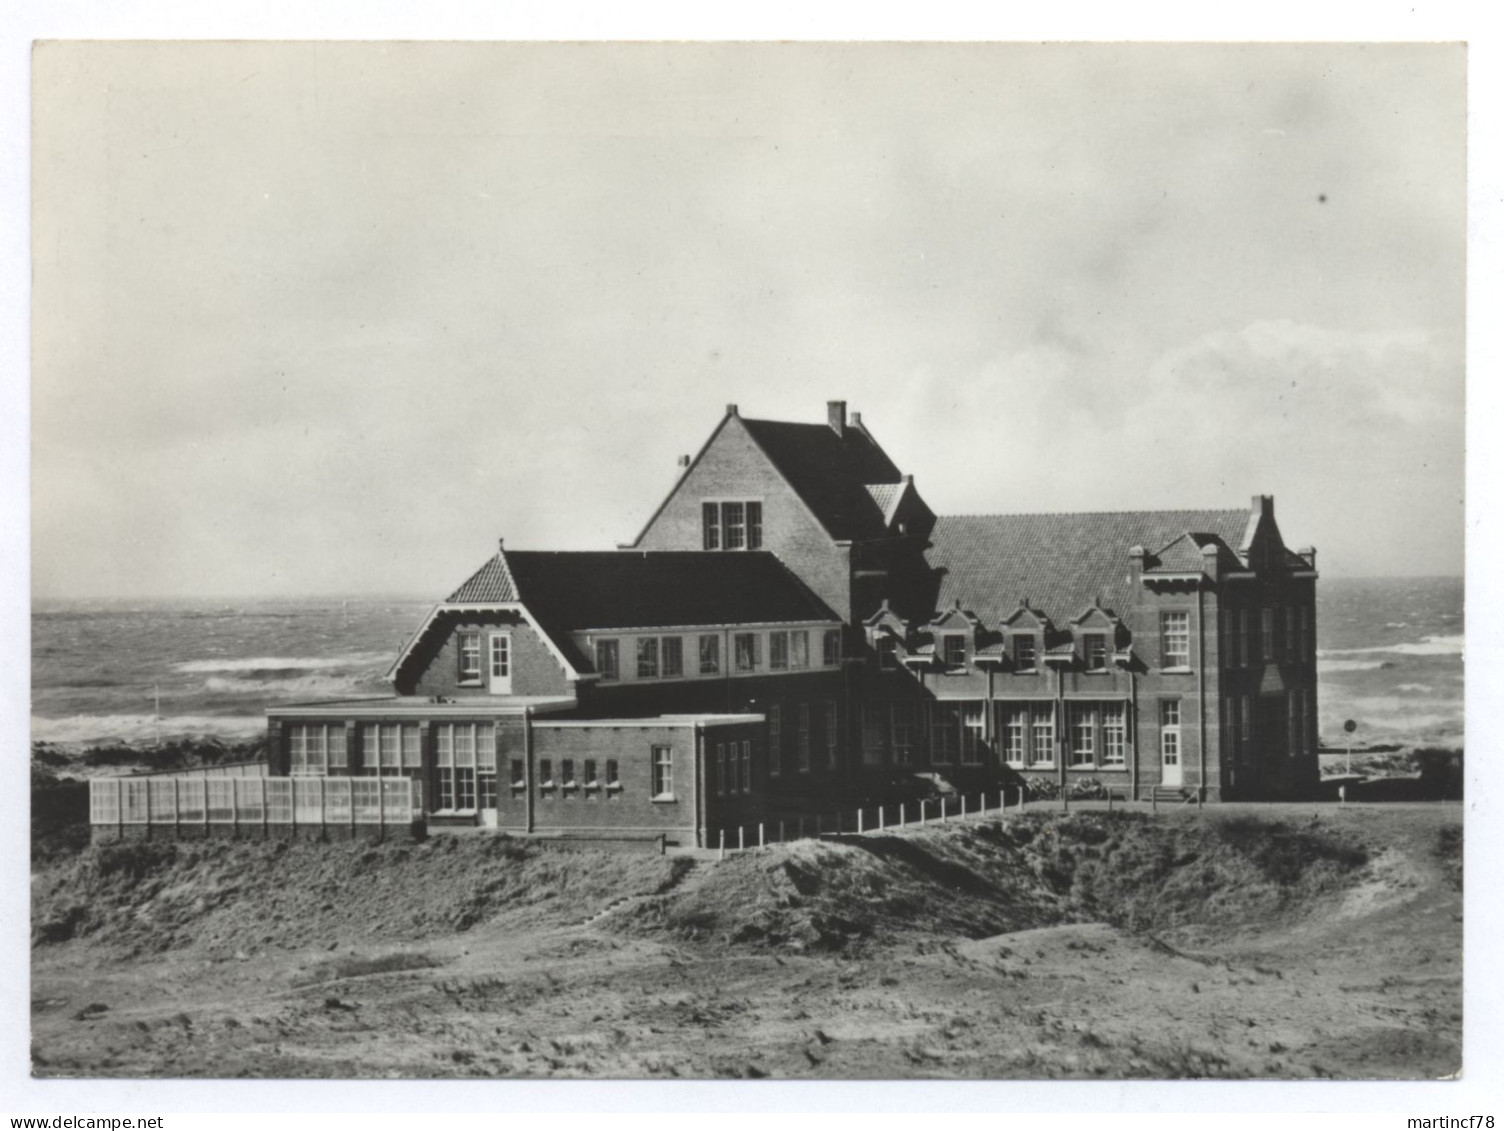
[103,672]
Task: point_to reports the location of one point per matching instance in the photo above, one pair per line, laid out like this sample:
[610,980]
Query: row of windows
[731,771]
[804,742]
[1238,723]
[1282,634]
[469,647]
[662,657]
[733,525]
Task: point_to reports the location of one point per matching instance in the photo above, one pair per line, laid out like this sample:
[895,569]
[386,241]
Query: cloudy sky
[323,319]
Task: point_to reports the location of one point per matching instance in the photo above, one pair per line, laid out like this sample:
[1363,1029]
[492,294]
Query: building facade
[794,623]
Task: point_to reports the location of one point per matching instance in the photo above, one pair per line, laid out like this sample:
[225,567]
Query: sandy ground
[642,975]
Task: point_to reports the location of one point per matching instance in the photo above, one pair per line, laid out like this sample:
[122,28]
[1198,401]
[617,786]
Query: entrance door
[1169,742]
[501,664]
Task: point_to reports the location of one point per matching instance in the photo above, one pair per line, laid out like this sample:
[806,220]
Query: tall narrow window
[1042,746]
[519,774]
[444,742]
[711,520]
[1169,735]
[734,525]
[1291,647]
[798,650]
[945,733]
[485,766]
[973,725]
[746,767]
[903,734]
[1095,651]
[1246,729]
[412,747]
[1083,734]
[1306,651]
[1242,638]
[1015,727]
[746,651]
[754,526]
[802,749]
[832,734]
[1292,709]
[1175,640]
[831,648]
[464,765]
[1114,734]
[887,652]
[391,748]
[778,651]
[545,773]
[339,758]
[710,655]
[469,646]
[720,768]
[1307,727]
[673,657]
[1023,652]
[647,657]
[663,773]
[1234,732]
[1268,625]
[955,650]
[591,781]
[608,659]
[613,774]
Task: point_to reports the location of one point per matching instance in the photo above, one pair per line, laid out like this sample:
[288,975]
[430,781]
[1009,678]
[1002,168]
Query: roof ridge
[1093,514]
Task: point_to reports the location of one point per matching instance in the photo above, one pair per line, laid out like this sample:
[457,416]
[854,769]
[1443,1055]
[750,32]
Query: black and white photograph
[747,561]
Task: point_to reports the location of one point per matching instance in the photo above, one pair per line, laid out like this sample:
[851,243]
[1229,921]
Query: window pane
[607,656]
[778,651]
[647,658]
[711,518]
[485,746]
[412,749]
[673,656]
[832,647]
[798,650]
[733,525]
[710,655]
[754,526]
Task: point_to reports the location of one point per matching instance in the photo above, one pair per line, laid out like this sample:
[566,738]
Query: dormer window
[887,652]
[953,646]
[1094,651]
[1025,650]
[732,525]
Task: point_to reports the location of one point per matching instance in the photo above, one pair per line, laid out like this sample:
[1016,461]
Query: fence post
[741,838]
[723,844]
[882,816]
[761,842]
[120,807]
[780,830]
[902,818]
[234,809]
[963,806]
[859,827]
[323,805]
[921,811]
[203,795]
[1154,801]
[942,807]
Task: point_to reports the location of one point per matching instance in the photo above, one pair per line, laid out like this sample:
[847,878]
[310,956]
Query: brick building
[794,623]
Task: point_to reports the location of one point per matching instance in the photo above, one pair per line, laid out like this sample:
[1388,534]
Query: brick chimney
[1264,505]
[835,413]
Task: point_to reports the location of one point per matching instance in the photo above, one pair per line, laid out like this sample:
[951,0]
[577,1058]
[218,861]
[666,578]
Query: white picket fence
[250,802]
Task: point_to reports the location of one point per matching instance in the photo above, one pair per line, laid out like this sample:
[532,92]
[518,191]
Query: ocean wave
[1427,646]
[99,729]
[296,686]
[1418,688]
[1350,665]
[288,663]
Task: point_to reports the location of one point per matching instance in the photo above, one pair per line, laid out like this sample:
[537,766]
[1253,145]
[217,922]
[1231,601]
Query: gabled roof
[1181,556]
[832,473]
[1059,563]
[568,592]
[573,591]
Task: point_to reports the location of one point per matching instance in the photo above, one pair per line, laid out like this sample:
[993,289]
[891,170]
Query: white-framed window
[832,734]
[746,645]
[591,780]
[1083,734]
[799,650]
[720,768]
[519,774]
[313,747]
[1015,730]
[388,748]
[887,652]
[663,773]
[647,657]
[747,767]
[469,649]
[613,774]
[1025,651]
[831,648]
[778,651]
[954,644]
[802,750]
[672,656]
[455,747]
[1267,616]
[1094,651]
[608,659]
[710,655]
[731,525]
[546,773]
[775,739]
[1042,735]
[485,767]
[1169,731]
[1114,734]
[1175,639]
[973,730]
